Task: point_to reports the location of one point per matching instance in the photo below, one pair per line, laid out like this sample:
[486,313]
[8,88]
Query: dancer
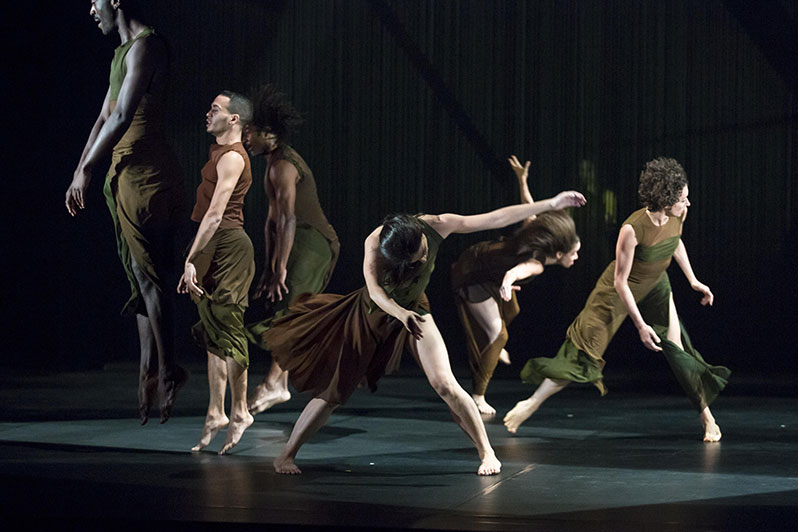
[301,245]
[484,282]
[143,190]
[330,344]
[636,284]
[220,266]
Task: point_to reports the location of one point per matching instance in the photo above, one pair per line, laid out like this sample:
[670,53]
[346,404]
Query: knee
[444,387]
[496,332]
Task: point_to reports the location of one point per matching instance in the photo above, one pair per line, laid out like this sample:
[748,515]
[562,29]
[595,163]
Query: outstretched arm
[229,169]
[522,174]
[283,177]
[684,263]
[446,224]
[624,257]
[521,271]
[377,294]
[141,62]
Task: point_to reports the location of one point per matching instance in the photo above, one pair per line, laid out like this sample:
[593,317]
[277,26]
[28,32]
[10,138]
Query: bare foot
[168,391]
[148,387]
[482,405]
[504,357]
[711,429]
[286,466]
[490,466]
[210,430]
[265,398]
[520,413]
[234,432]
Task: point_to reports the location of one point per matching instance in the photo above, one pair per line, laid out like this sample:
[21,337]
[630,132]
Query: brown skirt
[331,343]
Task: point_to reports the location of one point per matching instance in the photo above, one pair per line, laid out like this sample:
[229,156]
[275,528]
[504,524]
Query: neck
[659,218]
[128,28]
[229,137]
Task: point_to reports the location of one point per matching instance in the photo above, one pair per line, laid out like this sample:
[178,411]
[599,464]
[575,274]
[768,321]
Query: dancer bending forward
[331,343]
[484,282]
[636,284]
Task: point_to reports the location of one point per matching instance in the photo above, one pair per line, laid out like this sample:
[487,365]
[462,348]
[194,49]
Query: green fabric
[307,273]
[570,363]
[134,304]
[660,251]
[221,331]
[118,66]
[408,293]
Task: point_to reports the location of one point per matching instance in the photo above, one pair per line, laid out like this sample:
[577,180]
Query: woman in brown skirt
[485,277]
[331,343]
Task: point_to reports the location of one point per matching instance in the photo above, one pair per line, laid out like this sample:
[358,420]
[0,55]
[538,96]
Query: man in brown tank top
[143,190]
[220,266]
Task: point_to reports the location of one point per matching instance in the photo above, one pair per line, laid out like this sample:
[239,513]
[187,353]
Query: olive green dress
[315,249]
[580,359]
[331,343]
[143,187]
[476,277]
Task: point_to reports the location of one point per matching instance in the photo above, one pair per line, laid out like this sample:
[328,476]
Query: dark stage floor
[73,456]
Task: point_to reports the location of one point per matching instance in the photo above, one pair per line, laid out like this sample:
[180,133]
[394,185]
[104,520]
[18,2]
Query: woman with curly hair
[636,284]
[486,277]
[330,344]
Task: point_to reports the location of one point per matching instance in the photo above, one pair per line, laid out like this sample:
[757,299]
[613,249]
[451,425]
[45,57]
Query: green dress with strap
[580,359]
[330,343]
[143,187]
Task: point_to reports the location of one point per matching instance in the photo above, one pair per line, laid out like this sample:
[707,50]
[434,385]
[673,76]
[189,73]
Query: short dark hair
[239,105]
[273,112]
[400,239]
[661,183]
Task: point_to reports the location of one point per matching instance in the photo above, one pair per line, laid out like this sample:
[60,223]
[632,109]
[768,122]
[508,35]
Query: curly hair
[273,112]
[549,233]
[661,183]
[400,238]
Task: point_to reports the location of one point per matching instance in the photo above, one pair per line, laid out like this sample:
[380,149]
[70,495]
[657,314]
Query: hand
[263,283]
[411,322]
[188,282]
[277,287]
[649,338]
[521,172]
[708,298]
[569,198]
[75,194]
[507,289]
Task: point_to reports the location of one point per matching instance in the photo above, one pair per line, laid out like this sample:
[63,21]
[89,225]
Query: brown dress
[330,343]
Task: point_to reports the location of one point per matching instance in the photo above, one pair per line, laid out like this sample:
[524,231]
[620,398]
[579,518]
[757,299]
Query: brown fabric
[234,212]
[328,343]
[486,263]
[307,207]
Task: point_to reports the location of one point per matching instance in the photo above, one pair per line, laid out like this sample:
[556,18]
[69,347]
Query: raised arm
[624,256]
[521,271]
[378,294]
[446,224]
[522,174]
[280,228]
[228,170]
[684,263]
[141,61]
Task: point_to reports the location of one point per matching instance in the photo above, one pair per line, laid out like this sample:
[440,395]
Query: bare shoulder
[442,223]
[282,171]
[627,236]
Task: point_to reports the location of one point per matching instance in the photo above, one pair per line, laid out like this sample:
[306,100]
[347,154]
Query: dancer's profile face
[680,207]
[257,140]
[423,249]
[104,14]
[217,119]
[567,260]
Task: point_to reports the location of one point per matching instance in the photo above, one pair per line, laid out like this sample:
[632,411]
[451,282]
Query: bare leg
[504,357]
[148,368]
[523,409]
[711,429]
[434,360]
[216,419]
[171,377]
[486,314]
[241,418]
[272,391]
[312,418]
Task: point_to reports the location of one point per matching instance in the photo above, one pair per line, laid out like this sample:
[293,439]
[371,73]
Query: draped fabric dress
[143,188]
[330,343]
[580,358]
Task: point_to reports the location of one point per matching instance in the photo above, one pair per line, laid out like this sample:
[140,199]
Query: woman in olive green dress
[329,344]
[636,284]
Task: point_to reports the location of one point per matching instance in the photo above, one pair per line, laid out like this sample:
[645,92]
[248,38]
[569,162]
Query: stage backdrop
[414,106]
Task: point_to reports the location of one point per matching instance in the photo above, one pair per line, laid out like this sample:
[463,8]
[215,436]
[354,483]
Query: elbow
[619,284]
[214,218]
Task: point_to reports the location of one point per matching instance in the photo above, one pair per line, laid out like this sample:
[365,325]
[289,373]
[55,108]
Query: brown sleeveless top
[234,212]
